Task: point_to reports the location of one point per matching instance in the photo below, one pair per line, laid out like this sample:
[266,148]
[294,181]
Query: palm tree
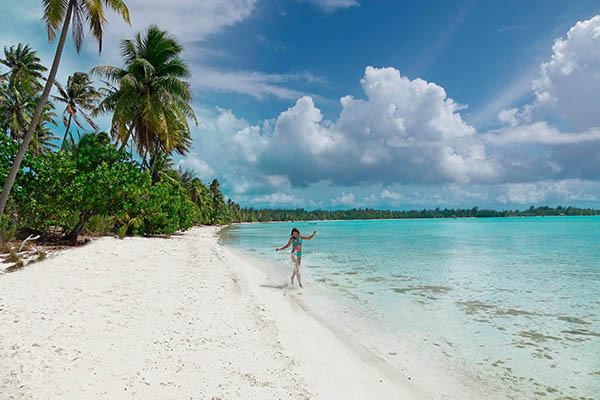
[24,66]
[159,165]
[150,100]
[80,95]
[57,13]
[43,140]
[200,195]
[18,101]
[218,202]
[14,105]
[19,87]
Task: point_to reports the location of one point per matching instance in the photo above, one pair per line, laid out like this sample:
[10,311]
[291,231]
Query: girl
[296,242]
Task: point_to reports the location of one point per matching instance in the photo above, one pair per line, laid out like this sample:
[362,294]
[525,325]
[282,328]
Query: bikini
[294,243]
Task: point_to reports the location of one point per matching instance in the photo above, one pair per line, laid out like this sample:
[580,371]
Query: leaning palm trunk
[10,179]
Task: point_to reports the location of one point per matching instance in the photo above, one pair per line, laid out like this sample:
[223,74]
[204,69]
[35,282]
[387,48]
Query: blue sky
[388,104]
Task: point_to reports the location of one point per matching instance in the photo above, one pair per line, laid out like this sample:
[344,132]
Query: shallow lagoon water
[508,307]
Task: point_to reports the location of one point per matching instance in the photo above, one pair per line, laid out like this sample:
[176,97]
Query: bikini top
[295,242]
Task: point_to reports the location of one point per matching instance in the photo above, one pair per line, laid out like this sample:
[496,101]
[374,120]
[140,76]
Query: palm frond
[77,26]
[54,15]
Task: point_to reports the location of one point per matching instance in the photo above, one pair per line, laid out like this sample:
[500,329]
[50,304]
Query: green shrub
[8,226]
[99,225]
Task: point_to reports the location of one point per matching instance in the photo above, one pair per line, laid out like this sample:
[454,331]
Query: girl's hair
[295,230]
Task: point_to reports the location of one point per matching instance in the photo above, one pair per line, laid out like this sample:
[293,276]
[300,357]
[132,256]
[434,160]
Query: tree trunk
[144,163]
[62,146]
[72,236]
[10,179]
[126,140]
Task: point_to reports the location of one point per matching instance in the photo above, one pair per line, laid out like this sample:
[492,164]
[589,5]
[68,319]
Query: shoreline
[183,317]
[427,359]
[324,349]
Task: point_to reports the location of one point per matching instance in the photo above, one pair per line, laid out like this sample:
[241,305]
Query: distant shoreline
[301,215]
[394,219]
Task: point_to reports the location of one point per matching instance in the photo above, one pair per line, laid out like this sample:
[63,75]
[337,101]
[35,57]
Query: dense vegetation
[95,182]
[264,215]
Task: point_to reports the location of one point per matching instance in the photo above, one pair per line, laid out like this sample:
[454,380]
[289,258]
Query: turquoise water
[499,308]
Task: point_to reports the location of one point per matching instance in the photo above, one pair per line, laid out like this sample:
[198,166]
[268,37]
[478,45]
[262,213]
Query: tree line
[300,214]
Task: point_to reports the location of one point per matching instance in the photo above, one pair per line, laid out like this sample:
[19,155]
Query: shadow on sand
[282,286]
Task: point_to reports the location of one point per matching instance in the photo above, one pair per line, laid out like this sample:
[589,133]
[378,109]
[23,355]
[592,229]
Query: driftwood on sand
[29,238]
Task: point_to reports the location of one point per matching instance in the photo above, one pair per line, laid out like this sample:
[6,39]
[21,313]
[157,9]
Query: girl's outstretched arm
[286,246]
[309,237]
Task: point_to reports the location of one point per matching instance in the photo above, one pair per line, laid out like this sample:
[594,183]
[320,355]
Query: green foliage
[11,220]
[167,209]
[99,225]
[44,203]
[200,196]
[20,90]
[8,227]
[79,96]
[23,66]
[64,189]
[220,212]
[150,101]
[85,14]
[96,184]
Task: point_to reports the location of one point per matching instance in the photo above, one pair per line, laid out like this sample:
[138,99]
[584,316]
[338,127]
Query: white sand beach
[177,318]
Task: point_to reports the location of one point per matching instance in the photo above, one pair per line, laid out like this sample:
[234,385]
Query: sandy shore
[178,318]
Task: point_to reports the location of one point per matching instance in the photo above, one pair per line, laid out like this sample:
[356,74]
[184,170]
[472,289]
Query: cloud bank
[405,134]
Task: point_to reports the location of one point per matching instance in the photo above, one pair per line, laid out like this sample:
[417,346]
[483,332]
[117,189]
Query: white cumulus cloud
[196,164]
[569,83]
[404,130]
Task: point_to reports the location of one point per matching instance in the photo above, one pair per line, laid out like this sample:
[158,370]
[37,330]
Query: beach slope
[177,318]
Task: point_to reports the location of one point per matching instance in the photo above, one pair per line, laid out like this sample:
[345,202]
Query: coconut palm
[19,86]
[43,141]
[200,195]
[59,13]
[23,66]
[218,202]
[18,101]
[150,101]
[79,96]
[159,165]
[198,192]
[14,106]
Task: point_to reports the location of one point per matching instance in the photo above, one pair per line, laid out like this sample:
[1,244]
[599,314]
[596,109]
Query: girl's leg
[298,271]
[295,262]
